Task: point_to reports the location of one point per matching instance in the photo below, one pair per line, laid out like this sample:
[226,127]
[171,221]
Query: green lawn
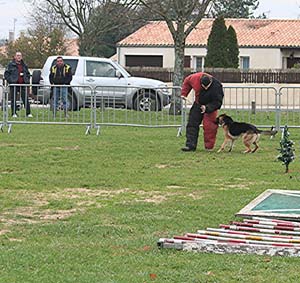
[78,208]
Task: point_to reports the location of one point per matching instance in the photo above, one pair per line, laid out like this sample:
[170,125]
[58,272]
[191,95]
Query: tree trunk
[179,46]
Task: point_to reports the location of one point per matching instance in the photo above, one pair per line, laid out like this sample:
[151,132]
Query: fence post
[94,111]
[183,117]
[278,109]
[253,107]
[5,106]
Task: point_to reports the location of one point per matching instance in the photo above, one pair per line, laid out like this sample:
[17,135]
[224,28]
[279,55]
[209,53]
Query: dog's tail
[270,133]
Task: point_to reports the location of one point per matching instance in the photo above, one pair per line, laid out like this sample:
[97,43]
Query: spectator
[60,74]
[208,99]
[17,73]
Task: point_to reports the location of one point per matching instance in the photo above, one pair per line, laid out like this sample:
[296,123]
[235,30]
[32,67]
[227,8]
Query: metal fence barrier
[133,106]
[48,106]
[289,106]
[91,106]
[96,106]
[2,104]
[253,104]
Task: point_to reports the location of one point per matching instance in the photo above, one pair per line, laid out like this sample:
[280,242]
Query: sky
[14,14]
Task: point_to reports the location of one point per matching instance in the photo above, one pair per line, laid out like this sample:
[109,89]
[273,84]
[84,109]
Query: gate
[138,107]
[47,108]
[289,105]
[253,104]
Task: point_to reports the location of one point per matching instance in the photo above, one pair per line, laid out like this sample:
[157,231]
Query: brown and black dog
[232,130]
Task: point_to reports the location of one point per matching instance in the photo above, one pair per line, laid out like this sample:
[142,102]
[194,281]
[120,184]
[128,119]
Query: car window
[71,62]
[100,69]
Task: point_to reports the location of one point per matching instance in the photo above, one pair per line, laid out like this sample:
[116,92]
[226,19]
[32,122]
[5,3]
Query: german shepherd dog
[232,130]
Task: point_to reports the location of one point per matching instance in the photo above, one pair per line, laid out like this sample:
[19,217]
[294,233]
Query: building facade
[263,44]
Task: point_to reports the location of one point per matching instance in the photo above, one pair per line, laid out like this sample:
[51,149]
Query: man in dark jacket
[60,74]
[208,99]
[17,73]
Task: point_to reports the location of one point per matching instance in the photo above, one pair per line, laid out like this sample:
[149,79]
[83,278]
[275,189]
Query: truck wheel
[146,102]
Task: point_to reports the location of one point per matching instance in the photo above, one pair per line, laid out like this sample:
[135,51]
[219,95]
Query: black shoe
[186,148]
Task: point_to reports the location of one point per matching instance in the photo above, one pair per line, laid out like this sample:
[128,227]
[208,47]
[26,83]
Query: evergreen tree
[286,150]
[216,56]
[232,48]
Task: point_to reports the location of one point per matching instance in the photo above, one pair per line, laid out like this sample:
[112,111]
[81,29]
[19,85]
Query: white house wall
[263,58]
[260,58]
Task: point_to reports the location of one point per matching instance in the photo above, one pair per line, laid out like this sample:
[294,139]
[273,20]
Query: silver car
[102,81]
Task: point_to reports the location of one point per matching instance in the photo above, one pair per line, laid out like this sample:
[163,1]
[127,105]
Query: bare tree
[109,23]
[90,20]
[74,13]
[43,14]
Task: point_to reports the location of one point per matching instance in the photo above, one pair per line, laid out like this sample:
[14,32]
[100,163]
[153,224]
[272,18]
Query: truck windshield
[123,69]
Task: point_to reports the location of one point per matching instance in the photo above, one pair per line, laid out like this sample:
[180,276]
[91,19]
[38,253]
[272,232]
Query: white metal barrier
[92,106]
[133,106]
[48,105]
[2,107]
[289,106]
[259,105]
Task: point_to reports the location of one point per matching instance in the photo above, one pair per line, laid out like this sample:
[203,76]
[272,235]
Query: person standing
[17,73]
[60,74]
[208,99]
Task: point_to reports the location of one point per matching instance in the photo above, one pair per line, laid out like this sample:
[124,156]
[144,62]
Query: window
[99,69]
[187,61]
[198,63]
[244,62]
[144,61]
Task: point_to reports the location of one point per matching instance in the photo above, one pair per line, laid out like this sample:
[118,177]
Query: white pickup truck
[113,85]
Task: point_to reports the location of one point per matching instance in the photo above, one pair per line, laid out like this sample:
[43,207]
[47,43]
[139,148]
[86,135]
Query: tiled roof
[250,33]
[72,47]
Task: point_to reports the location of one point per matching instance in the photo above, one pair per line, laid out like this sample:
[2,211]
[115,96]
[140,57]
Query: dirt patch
[80,192]
[44,207]
[38,211]
[161,166]
[57,214]
[4,231]
[153,199]
[12,145]
[174,187]
[68,148]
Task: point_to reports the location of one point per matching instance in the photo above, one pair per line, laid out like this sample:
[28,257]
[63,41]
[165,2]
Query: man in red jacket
[208,99]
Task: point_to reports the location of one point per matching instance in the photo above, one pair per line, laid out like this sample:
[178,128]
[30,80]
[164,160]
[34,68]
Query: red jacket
[212,97]
[193,82]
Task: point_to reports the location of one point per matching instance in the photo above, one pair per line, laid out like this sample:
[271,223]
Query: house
[72,47]
[263,44]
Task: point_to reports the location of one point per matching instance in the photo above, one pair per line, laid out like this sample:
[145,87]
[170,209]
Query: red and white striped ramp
[261,236]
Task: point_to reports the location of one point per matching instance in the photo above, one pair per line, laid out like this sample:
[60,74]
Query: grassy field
[78,208]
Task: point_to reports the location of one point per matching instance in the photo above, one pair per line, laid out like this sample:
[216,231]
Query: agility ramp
[271,228]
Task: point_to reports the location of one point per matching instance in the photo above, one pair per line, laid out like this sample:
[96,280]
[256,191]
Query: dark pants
[209,126]
[23,91]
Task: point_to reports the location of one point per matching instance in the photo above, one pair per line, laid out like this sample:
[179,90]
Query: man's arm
[186,87]
[7,73]
[51,76]
[27,71]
